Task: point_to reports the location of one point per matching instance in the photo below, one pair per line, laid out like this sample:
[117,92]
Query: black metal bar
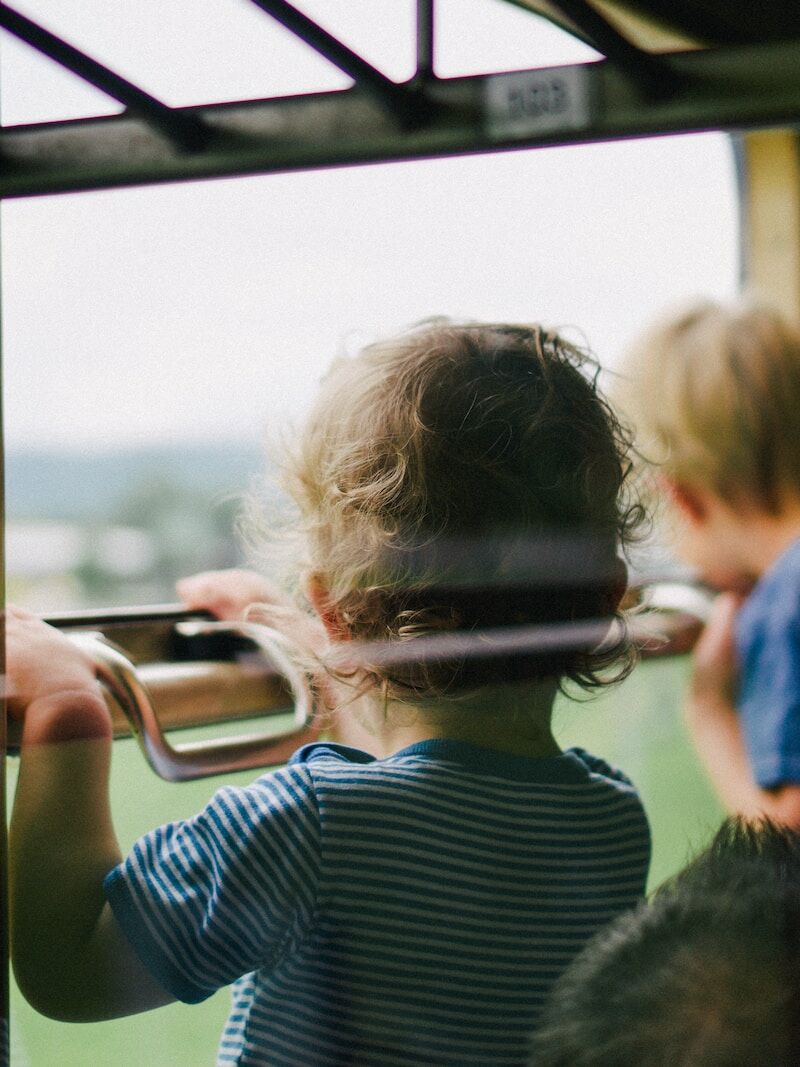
[186,131]
[425,40]
[97,618]
[650,72]
[734,89]
[399,101]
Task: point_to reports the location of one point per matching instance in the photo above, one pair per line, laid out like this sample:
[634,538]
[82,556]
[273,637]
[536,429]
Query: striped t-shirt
[407,910]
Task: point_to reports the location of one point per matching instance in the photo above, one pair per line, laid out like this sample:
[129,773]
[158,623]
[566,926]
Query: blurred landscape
[120,527]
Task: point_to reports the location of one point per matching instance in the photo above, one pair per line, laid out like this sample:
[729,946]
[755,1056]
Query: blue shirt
[768,646]
[408,910]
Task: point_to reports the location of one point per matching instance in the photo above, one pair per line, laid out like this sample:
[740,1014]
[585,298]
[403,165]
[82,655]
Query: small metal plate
[536,101]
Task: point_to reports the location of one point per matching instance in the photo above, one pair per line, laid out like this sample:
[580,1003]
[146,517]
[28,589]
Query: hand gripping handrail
[200,759]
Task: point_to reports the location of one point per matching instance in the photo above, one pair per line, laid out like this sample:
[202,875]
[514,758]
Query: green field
[636,726]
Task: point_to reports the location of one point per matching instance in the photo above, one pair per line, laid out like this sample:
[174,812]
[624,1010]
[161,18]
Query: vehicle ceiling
[670,66]
[671,25]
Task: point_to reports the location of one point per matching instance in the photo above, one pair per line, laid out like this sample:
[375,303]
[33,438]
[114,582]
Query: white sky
[211,309]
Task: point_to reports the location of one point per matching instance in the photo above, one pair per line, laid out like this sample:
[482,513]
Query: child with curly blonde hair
[461,497]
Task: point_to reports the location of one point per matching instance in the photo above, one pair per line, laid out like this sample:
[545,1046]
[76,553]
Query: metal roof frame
[631,93]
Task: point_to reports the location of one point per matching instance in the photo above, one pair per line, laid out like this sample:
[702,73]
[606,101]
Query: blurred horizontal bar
[497,642]
[732,88]
[90,619]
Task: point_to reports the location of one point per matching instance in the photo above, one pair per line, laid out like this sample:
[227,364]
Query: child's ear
[320,600]
[688,499]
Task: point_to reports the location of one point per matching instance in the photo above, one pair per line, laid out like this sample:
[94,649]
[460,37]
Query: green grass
[636,726]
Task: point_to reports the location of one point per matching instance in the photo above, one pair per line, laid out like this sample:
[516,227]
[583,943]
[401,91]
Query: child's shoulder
[573,767]
[774,602]
[784,570]
[600,768]
[319,751]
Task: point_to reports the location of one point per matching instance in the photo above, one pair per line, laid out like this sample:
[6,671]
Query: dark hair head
[468,477]
[705,975]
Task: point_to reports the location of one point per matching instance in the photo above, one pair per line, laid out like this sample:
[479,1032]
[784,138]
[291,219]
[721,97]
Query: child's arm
[70,958]
[716,729]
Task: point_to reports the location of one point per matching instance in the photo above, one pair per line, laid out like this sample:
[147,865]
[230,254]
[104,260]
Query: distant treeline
[81,487]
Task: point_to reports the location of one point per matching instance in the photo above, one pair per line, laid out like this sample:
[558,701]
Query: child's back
[460,492]
[414,909]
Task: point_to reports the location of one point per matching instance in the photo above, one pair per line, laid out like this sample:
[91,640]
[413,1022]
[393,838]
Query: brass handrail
[198,759]
[151,699]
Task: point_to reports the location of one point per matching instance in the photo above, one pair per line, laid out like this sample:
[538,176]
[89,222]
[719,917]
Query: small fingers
[18,614]
[194,589]
[41,661]
[227,594]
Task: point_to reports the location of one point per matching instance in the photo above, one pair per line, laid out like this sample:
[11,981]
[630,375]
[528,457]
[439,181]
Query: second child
[715,395]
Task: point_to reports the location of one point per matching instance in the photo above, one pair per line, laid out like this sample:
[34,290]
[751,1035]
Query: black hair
[707,974]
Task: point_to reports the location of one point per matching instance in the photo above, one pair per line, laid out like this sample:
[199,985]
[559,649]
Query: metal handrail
[199,759]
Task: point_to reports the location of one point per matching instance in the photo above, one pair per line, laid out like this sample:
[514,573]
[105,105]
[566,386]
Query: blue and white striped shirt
[408,910]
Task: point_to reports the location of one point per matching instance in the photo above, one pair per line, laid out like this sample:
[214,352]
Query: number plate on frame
[538,101]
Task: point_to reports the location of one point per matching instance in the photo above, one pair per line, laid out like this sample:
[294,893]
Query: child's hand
[50,682]
[228,594]
[715,667]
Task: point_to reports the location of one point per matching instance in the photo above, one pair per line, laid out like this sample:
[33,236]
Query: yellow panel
[771,219]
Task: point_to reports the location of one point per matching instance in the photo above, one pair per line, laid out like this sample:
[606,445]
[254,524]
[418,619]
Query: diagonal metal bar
[654,76]
[401,102]
[186,131]
[425,40]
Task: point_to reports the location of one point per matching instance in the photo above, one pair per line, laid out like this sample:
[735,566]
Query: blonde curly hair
[467,478]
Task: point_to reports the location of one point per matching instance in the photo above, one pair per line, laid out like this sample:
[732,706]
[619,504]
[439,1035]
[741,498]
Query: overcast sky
[211,309]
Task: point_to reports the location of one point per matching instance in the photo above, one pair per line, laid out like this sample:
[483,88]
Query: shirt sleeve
[226,892]
[768,700]
[599,766]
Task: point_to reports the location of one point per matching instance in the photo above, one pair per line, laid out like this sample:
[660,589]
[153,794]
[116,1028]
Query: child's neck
[511,719]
